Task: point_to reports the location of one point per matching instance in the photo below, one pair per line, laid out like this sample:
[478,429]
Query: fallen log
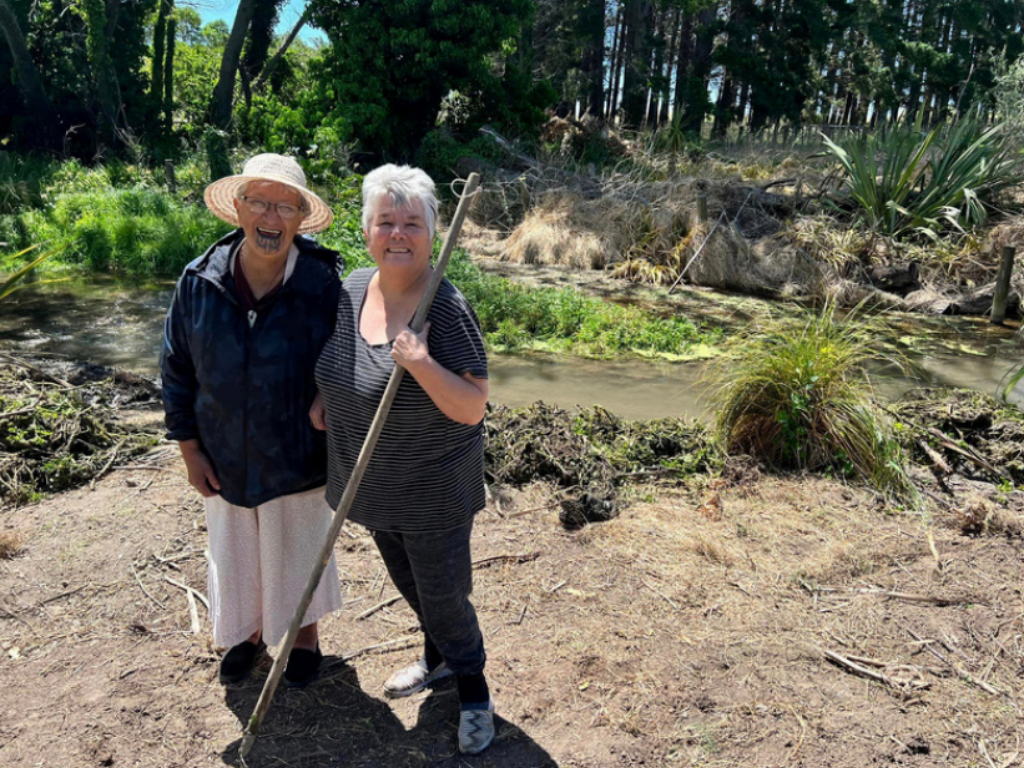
[900,278]
[979,302]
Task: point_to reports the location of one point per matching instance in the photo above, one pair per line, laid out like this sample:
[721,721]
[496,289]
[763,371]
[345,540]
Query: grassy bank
[123,219]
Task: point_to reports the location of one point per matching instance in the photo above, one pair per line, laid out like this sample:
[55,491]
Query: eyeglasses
[258,207]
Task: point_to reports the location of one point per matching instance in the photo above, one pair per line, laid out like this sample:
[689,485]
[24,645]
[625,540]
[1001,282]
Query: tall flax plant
[799,397]
[909,182]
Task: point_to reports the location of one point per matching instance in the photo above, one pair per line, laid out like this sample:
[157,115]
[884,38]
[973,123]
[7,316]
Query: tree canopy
[91,77]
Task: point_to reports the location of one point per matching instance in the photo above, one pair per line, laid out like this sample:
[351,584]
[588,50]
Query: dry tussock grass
[625,218]
[1010,232]
[562,232]
[568,230]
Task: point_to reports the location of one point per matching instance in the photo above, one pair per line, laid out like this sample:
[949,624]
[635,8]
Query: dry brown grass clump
[1010,232]
[564,231]
[12,544]
[978,517]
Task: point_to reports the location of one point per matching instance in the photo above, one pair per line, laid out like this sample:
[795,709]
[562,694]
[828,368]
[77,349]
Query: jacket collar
[215,264]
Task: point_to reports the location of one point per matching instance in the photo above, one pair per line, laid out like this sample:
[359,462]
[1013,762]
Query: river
[120,325]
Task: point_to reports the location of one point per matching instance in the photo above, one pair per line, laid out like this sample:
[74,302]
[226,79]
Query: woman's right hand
[200,471]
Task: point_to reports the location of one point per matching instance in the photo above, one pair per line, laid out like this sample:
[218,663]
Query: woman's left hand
[318,413]
[410,348]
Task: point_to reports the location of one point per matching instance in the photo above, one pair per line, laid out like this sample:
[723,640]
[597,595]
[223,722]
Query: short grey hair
[304,206]
[403,184]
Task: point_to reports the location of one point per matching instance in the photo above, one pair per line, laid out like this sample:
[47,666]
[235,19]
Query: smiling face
[399,239]
[267,233]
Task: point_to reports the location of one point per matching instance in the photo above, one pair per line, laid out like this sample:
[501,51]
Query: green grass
[138,232]
[799,397]
[516,318]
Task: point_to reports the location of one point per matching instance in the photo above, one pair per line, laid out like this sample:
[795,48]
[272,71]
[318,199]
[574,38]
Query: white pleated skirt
[260,563]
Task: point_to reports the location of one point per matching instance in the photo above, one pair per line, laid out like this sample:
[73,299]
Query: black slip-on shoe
[238,661]
[303,667]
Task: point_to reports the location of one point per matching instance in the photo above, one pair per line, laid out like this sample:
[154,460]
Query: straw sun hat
[220,195]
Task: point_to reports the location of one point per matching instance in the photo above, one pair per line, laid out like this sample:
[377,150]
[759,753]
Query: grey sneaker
[413,679]
[476,729]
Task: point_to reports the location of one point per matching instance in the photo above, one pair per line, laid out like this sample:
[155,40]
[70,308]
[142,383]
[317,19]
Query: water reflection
[121,324]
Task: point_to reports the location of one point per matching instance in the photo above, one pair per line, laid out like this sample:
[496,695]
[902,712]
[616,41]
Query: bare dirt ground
[692,630]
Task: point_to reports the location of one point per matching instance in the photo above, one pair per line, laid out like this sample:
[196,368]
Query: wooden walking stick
[253,726]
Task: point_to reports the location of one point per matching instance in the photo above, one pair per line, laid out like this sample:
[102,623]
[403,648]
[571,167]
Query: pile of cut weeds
[591,450]
[977,436]
[58,427]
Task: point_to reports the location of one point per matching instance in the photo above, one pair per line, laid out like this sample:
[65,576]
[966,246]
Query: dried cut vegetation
[976,436]
[590,454]
[722,618]
[754,621]
[57,433]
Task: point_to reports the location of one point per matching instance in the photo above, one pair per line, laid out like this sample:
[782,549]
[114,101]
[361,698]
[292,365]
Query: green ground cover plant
[139,232]
[798,397]
[516,318]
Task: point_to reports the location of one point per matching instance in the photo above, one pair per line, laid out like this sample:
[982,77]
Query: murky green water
[121,325]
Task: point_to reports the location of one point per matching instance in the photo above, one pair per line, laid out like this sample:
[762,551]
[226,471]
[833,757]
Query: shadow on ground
[335,723]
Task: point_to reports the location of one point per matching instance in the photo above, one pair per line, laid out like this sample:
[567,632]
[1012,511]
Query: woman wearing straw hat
[425,482]
[242,337]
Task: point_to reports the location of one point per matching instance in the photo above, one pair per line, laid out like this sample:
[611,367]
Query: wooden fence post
[1003,285]
[702,207]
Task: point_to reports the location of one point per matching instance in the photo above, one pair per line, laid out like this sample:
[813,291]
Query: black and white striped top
[427,471]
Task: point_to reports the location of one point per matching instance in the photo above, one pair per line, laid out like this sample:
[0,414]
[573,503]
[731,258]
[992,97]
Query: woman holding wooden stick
[243,334]
[425,483]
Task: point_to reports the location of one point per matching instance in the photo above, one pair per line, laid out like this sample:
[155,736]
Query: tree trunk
[723,109]
[592,64]
[169,77]
[36,101]
[224,91]
[613,95]
[657,63]
[156,77]
[261,32]
[98,53]
[637,59]
[683,56]
[268,70]
[670,65]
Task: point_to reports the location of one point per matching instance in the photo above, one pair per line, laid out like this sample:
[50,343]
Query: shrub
[800,398]
[1009,94]
[137,231]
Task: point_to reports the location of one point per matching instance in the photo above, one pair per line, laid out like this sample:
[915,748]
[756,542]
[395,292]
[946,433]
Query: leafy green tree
[27,76]
[224,90]
[196,67]
[189,24]
[384,84]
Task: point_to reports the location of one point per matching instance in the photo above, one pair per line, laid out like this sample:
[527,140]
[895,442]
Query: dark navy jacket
[245,392]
